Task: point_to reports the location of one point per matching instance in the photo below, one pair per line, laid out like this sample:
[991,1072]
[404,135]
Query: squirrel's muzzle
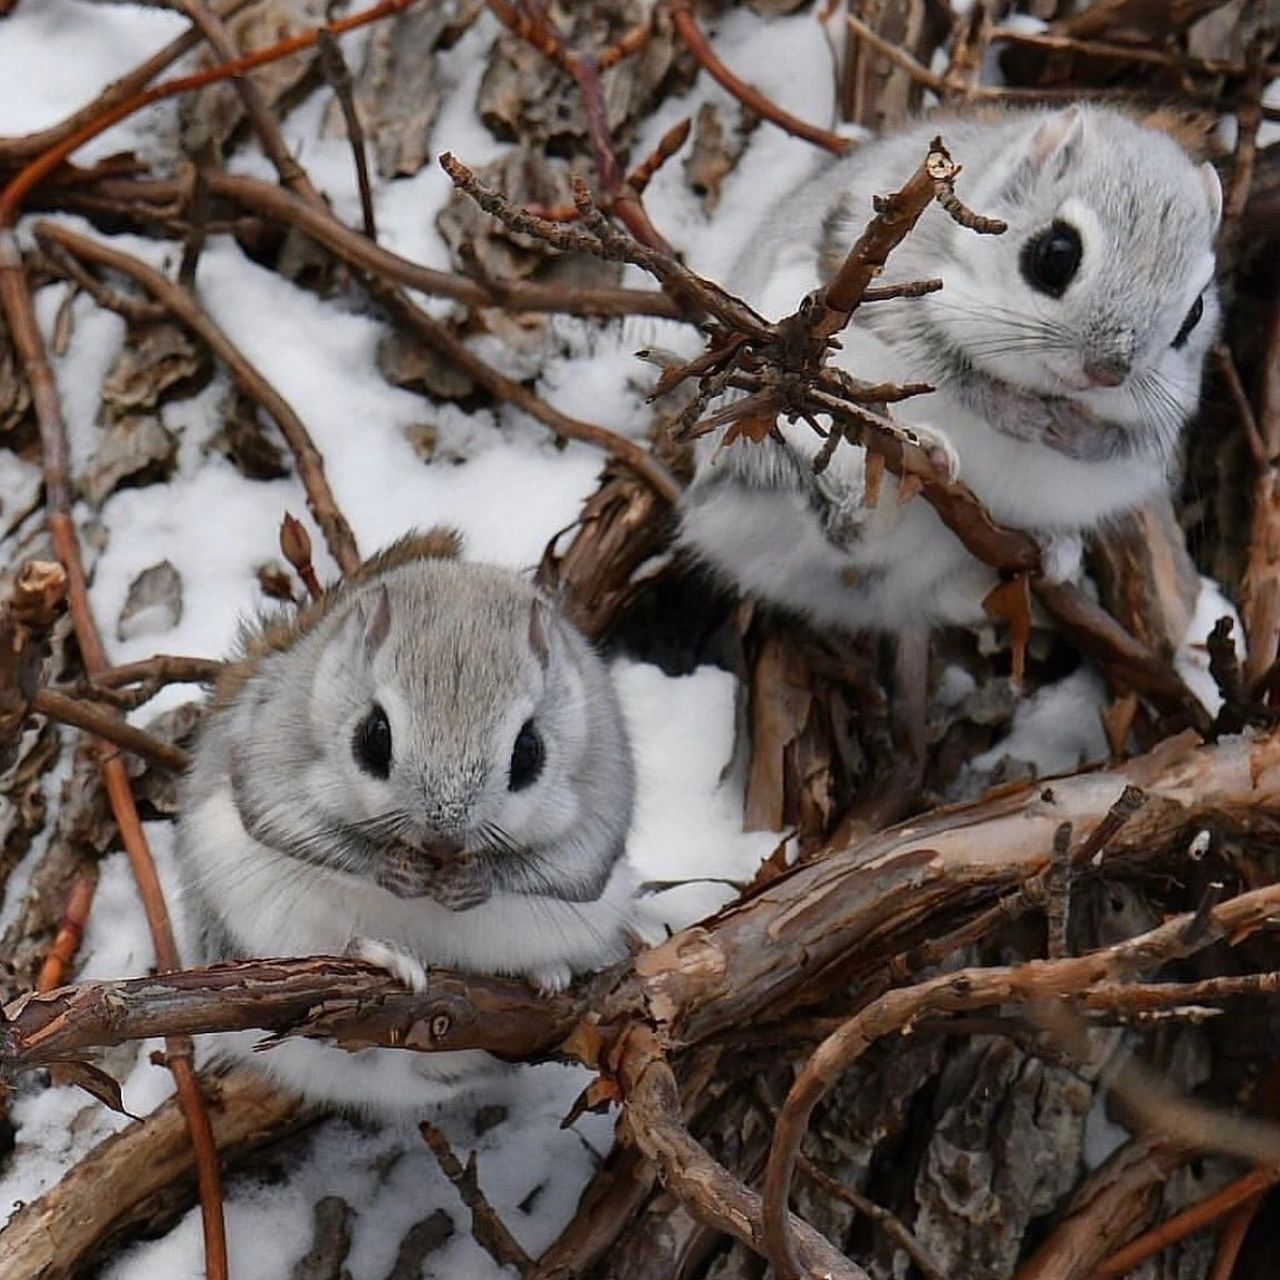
[439,869]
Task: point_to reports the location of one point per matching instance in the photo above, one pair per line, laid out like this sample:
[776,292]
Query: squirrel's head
[454,729]
[1101,289]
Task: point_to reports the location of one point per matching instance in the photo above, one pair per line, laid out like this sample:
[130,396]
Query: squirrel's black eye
[1051,259]
[372,743]
[527,757]
[1193,319]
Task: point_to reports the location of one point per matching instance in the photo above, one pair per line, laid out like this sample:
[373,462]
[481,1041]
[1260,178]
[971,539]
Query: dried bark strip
[179,303]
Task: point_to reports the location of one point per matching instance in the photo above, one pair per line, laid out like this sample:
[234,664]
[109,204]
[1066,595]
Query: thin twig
[48,161]
[118,91]
[438,336]
[530,20]
[1183,1224]
[687,28]
[110,728]
[360,253]
[887,1222]
[487,1227]
[198,220]
[263,120]
[71,928]
[333,66]
[180,304]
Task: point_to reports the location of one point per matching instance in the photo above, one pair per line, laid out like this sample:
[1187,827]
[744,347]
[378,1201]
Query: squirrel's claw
[395,960]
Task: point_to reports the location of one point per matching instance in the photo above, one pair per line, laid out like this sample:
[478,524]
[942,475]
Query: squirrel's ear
[372,622]
[540,631]
[1213,190]
[1060,135]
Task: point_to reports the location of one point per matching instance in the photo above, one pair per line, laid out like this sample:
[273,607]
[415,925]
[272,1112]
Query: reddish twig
[637,180]
[530,21]
[70,931]
[118,91]
[19,313]
[687,28]
[1183,1224]
[274,147]
[184,308]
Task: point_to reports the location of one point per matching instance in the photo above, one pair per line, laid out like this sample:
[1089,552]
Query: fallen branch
[133,1175]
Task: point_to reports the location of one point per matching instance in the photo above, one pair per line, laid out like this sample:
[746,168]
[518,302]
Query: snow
[513,492]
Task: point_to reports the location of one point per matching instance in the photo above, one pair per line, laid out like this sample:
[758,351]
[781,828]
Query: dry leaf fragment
[1010,602]
[153,604]
[137,449]
[755,428]
[406,362]
[244,440]
[158,360]
[397,92]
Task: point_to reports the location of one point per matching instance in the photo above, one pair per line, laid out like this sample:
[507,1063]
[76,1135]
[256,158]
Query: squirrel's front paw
[551,980]
[395,960]
[1062,556]
[941,453]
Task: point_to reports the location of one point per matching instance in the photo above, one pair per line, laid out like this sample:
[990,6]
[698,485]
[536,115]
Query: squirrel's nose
[1107,371]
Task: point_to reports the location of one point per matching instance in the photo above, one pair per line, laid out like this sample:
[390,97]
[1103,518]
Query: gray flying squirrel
[1066,356]
[428,766]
